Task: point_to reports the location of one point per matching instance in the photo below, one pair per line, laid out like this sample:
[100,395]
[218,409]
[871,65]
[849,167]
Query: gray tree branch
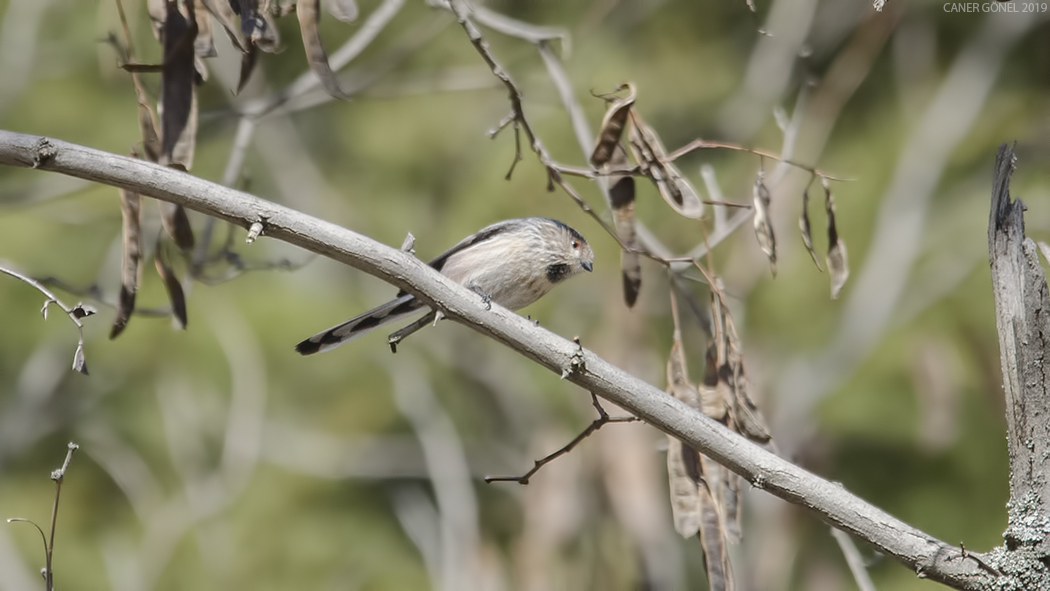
[831,502]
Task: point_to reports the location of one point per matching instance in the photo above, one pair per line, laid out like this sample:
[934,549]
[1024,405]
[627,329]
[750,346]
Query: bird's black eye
[575,244]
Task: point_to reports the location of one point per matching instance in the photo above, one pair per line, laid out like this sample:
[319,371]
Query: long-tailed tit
[512,263]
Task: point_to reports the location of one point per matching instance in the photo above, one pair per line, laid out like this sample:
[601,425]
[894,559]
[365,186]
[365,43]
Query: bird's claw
[485,298]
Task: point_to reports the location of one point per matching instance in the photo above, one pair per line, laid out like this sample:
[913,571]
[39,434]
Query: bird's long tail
[357,326]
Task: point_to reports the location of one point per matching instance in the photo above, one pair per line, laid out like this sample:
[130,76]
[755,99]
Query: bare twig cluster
[75,314]
[628,147]
[609,165]
[603,419]
[185,30]
[705,500]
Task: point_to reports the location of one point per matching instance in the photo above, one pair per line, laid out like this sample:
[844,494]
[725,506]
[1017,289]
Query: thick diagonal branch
[921,552]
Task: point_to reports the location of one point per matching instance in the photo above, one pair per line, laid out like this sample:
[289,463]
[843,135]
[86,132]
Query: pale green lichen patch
[1021,569]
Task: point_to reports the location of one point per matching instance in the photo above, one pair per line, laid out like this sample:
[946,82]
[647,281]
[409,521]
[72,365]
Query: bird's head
[569,253]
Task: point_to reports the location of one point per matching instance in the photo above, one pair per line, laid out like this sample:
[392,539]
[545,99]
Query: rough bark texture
[1022,310]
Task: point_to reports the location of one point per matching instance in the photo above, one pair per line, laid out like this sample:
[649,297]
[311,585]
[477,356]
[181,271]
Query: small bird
[512,263]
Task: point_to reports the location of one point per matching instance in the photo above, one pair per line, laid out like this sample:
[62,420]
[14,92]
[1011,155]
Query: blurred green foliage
[313,472]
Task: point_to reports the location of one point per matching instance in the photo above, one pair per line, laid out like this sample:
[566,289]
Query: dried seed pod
[621,197]
[223,12]
[807,235]
[613,124]
[79,361]
[178,108]
[838,263]
[171,284]
[131,212]
[308,12]
[178,87]
[204,44]
[650,154]
[763,225]
[683,476]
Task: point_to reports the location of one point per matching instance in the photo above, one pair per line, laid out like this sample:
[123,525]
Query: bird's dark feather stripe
[557,271]
[568,229]
[307,347]
[364,324]
[405,307]
[490,232]
[486,233]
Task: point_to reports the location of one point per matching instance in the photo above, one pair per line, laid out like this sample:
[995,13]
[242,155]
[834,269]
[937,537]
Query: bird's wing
[486,233]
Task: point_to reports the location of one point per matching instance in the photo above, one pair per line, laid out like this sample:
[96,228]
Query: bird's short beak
[587,266]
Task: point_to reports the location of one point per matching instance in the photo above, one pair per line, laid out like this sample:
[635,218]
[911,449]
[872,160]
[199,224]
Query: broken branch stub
[1022,314]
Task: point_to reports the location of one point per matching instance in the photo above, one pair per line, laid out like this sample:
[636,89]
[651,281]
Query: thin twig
[140,91]
[602,420]
[502,123]
[514,93]
[517,148]
[238,267]
[700,144]
[537,35]
[967,555]
[556,170]
[563,84]
[58,476]
[717,237]
[95,293]
[75,314]
[521,123]
[234,165]
[399,335]
[727,203]
[854,560]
